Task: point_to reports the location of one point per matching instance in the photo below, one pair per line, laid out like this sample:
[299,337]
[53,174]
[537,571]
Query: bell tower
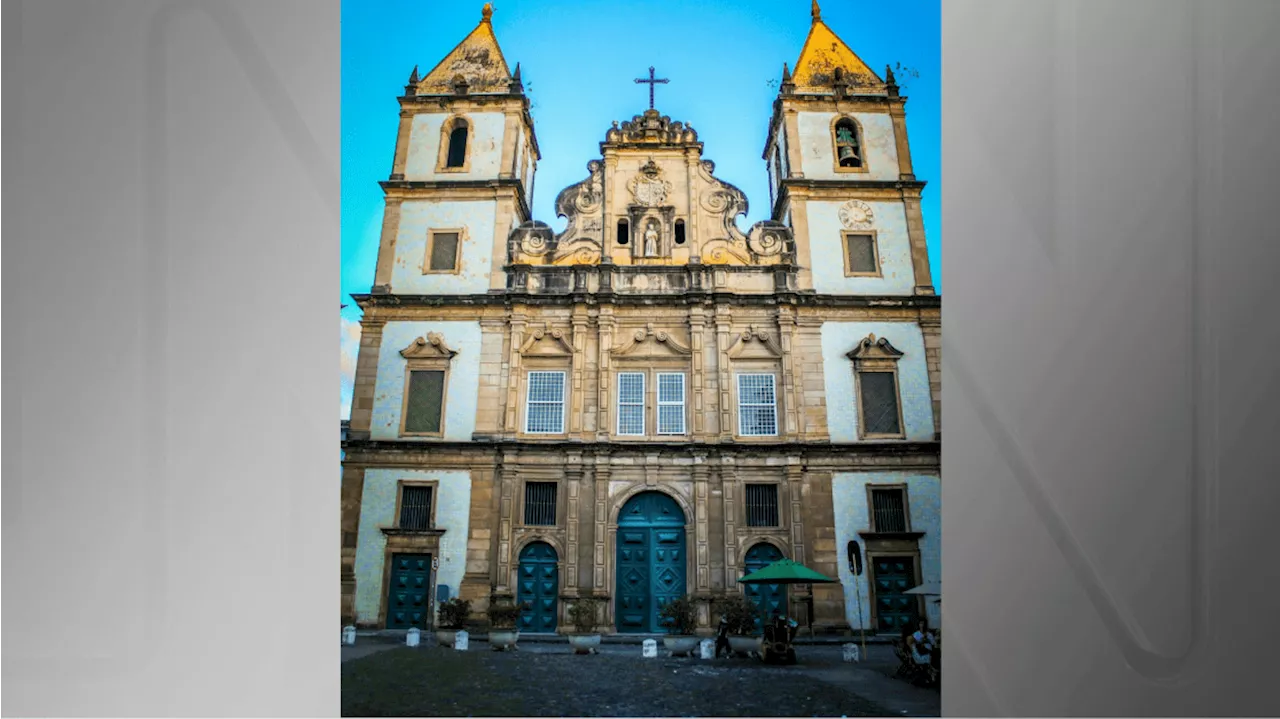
[462,175]
[840,173]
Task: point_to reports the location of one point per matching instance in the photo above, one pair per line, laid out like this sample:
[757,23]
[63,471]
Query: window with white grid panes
[544,407]
[670,403]
[757,406]
[631,403]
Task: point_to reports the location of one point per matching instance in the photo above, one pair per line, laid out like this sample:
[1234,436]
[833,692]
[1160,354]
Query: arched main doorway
[769,598]
[539,587]
[650,566]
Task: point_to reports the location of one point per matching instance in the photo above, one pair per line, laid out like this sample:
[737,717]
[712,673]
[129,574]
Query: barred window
[545,406]
[631,403]
[889,510]
[860,254]
[762,505]
[415,507]
[540,503]
[444,252]
[879,403]
[757,406]
[670,403]
[424,405]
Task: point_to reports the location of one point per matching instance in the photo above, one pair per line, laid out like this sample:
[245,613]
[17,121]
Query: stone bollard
[412,637]
[851,653]
[650,648]
[707,649]
[460,640]
[349,635]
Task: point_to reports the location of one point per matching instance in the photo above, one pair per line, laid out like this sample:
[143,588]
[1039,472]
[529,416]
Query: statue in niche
[651,240]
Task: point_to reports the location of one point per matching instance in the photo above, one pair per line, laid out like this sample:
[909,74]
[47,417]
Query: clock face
[856,213]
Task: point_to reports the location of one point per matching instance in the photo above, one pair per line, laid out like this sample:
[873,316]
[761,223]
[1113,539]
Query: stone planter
[503,639]
[445,637]
[584,643]
[680,644]
[744,644]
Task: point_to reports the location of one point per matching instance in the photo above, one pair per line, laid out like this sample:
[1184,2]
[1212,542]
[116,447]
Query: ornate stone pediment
[430,347]
[873,349]
[649,343]
[546,341]
[651,128]
[755,343]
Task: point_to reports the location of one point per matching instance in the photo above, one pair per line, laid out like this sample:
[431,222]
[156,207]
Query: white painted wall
[485,139]
[838,339]
[817,149]
[826,247]
[377,510]
[924,503]
[416,218]
[462,393]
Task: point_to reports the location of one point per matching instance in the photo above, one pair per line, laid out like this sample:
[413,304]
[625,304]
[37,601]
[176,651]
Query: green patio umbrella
[786,571]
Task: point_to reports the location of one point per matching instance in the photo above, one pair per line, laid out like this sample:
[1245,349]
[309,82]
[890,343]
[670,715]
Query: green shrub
[583,614]
[454,613]
[739,613]
[680,616]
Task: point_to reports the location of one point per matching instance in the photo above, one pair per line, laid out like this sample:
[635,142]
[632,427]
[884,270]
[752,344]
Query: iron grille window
[415,508]
[444,252]
[757,406]
[426,398]
[545,411]
[888,510]
[879,403]
[670,403]
[540,503]
[762,505]
[861,251]
[631,403]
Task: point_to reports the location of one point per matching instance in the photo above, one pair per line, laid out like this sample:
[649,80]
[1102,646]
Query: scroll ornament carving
[769,239]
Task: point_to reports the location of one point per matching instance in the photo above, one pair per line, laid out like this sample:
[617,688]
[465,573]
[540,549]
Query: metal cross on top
[651,81]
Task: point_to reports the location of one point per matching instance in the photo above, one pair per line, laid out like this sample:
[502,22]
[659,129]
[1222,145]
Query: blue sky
[579,58]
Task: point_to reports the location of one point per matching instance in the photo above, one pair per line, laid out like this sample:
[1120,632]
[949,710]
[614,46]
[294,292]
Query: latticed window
[879,391]
[415,507]
[762,505]
[545,410]
[888,510]
[757,405]
[423,408]
[631,403]
[670,403]
[540,503]
[444,252]
[860,254]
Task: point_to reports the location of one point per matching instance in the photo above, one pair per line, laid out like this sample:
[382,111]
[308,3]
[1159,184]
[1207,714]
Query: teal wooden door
[539,587]
[408,597]
[650,567]
[892,577]
[769,598]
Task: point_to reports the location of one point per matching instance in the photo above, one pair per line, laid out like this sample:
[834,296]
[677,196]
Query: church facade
[653,401]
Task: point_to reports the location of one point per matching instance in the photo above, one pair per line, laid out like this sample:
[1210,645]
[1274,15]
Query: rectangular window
[888,510]
[879,403]
[540,503]
[860,255]
[423,409]
[762,505]
[444,252]
[631,403]
[545,410]
[757,406]
[670,403]
[415,507]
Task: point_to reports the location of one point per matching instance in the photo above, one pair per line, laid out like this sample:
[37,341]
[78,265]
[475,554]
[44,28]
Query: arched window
[848,148]
[624,232]
[457,156]
[679,232]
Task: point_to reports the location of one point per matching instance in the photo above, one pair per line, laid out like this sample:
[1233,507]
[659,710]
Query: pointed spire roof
[478,59]
[822,54]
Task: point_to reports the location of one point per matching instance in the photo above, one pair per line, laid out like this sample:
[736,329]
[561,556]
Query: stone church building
[652,401]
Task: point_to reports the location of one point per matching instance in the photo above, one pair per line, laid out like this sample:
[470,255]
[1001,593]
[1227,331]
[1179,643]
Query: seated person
[920,653]
[923,636]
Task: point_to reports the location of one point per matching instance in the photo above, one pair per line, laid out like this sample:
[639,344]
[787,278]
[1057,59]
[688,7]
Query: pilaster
[919,250]
[387,245]
[366,377]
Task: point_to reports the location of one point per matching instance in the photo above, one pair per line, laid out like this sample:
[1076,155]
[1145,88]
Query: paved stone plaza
[381,677]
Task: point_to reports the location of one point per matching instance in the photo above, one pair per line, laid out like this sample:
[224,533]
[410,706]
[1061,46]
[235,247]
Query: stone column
[352,492]
[716,525]
[795,493]
[724,338]
[387,244]
[518,322]
[697,330]
[577,401]
[507,481]
[366,376]
[789,389]
[701,499]
[932,329]
[919,250]
[729,483]
[599,573]
[573,484]
[898,112]
[402,145]
[607,324]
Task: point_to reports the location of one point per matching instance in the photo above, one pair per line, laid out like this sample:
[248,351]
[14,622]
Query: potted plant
[453,616]
[583,612]
[739,615]
[503,616]
[680,616]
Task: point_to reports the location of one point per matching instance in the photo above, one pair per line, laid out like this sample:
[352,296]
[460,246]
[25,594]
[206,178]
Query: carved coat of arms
[648,187]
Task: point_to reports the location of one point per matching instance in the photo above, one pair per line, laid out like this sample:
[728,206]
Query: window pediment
[430,347]
[649,343]
[546,341]
[874,349]
[754,343]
